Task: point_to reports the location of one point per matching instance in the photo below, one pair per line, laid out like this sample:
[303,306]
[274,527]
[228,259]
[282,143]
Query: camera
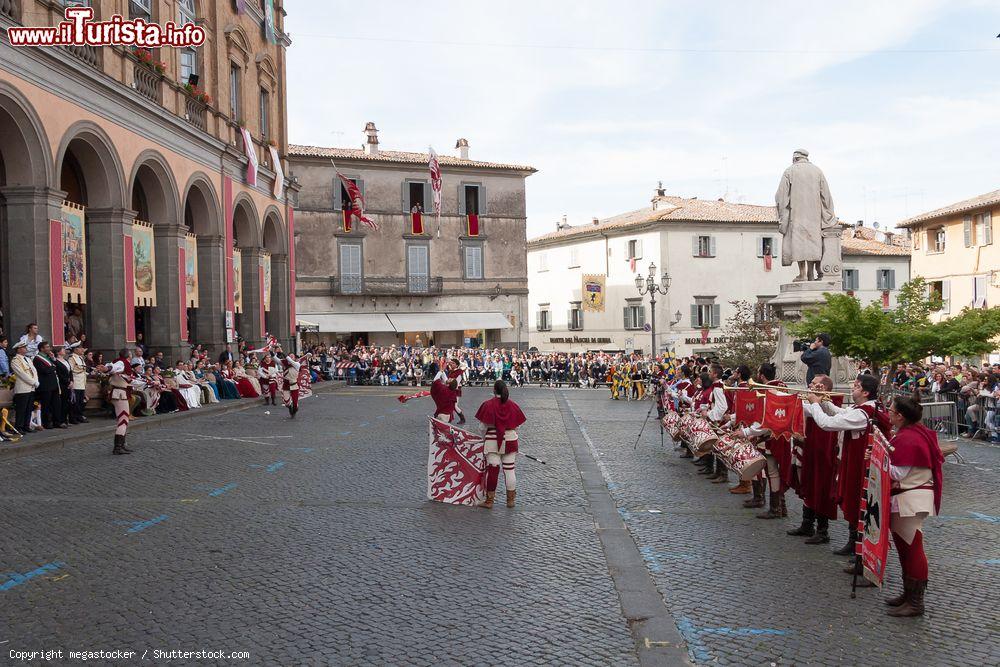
[801,345]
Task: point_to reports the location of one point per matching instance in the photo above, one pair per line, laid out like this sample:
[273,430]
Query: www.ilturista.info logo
[78,29]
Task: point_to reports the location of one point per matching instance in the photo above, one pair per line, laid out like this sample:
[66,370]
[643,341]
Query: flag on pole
[456,465]
[873,519]
[357,207]
[435,168]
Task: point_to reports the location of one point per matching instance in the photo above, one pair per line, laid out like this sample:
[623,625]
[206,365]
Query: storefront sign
[578,339]
[698,341]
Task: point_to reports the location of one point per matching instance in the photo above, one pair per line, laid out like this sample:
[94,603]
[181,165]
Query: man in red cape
[814,477]
[854,422]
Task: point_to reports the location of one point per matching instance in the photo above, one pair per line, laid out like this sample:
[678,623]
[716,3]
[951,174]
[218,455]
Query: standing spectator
[140,345]
[47,393]
[138,360]
[32,340]
[74,324]
[159,363]
[65,374]
[817,358]
[78,365]
[4,362]
[25,383]
[227,355]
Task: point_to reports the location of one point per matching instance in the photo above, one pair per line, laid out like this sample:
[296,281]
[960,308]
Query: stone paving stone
[334,557]
[719,567]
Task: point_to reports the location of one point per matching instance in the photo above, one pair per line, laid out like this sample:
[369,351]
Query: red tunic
[917,445]
[815,481]
[502,417]
[851,472]
[444,398]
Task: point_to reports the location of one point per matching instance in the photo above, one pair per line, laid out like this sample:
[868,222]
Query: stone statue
[805,217]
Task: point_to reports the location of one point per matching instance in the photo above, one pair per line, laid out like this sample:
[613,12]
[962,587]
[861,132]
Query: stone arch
[246,222]
[25,200]
[273,236]
[152,177]
[90,147]
[201,209]
[24,147]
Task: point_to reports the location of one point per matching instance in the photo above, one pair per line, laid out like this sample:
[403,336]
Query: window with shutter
[711,246]
[945,296]
[979,292]
[474,262]
[891,279]
[967,230]
[716,314]
[350,268]
[418,268]
[695,319]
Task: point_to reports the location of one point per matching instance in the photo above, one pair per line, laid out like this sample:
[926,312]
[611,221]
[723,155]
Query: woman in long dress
[243,383]
[226,381]
[187,387]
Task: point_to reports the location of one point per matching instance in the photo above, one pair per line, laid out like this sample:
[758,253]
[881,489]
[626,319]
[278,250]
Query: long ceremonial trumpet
[790,390]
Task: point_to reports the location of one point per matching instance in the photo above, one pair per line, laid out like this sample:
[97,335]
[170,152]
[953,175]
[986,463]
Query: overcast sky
[898,102]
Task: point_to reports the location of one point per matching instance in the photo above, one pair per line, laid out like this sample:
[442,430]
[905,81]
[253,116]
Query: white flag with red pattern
[435,168]
[456,465]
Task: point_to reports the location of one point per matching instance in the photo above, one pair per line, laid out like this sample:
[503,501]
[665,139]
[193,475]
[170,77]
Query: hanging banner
[265,262]
[456,464]
[238,279]
[182,285]
[251,152]
[56,303]
[593,293]
[129,251]
[749,407]
[269,29]
[74,254]
[143,264]
[876,503]
[783,414]
[191,270]
[279,174]
[472,224]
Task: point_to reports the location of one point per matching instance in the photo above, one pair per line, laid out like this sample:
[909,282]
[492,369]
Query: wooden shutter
[946,296]
[695,246]
[538,320]
[461,199]
[642,316]
[638,248]
[405,197]
[338,204]
[627,323]
[429,199]
[694,316]
[482,202]
[760,246]
[711,246]
[892,279]
[987,228]
[967,228]
[716,314]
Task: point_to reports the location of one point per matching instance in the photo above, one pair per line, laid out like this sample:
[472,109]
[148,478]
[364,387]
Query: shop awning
[351,322]
[448,321]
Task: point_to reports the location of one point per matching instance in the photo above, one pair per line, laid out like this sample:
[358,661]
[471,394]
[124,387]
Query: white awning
[350,322]
[448,321]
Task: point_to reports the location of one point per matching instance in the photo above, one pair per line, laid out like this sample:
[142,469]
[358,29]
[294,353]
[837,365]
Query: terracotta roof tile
[398,157]
[861,242]
[673,209]
[988,199]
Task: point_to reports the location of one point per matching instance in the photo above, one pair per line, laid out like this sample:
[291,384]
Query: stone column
[107,308]
[211,319]
[24,257]
[249,321]
[278,319]
[165,319]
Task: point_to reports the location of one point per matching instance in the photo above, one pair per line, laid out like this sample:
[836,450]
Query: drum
[703,437]
[684,426]
[671,424]
[743,458]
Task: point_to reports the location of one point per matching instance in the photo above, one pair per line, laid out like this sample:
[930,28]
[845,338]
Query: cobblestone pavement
[306,542]
[744,593]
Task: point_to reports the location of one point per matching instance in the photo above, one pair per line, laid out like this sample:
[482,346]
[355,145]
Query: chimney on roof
[597,221]
[660,192]
[462,149]
[371,139]
[859,224]
[562,224]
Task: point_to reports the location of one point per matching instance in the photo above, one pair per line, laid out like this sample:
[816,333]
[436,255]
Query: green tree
[750,337]
[904,333]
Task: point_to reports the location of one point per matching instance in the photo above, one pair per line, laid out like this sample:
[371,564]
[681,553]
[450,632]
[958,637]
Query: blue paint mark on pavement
[304,450]
[381,417]
[363,424]
[139,526]
[346,433]
[276,466]
[625,514]
[222,489]
[743,632]
[991,561]
[16,579]
[696,646]
[612,486]
[985,517]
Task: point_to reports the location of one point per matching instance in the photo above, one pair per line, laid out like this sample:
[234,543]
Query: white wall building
[876,265]
[714,251]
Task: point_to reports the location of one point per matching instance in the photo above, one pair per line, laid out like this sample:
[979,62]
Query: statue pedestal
[788,307]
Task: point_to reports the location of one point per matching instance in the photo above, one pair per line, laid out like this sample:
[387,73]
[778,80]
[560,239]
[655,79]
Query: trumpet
[790,390]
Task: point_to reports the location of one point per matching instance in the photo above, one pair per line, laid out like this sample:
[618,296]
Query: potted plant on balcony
[145,57]
[198,94]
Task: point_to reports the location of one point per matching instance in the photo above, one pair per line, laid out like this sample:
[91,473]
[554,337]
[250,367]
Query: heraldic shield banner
[455,465]
[874,519]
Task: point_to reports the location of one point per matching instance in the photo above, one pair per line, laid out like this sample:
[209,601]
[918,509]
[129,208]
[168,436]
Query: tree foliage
[749,338]
[902,334]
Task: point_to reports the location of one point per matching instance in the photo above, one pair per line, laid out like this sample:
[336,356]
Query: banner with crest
[143,264]
[456,465]
[74,254]
[876,504]
[191,270]
[593,293]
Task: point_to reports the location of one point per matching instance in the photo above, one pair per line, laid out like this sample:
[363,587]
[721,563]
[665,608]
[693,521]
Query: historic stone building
[126,205]
[460,280]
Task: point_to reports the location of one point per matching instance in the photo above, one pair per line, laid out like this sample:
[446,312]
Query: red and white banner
[456,465]
[305,381]
[279,174]
[873,520]
[251,153]
[357,207]
[749,407]
[435,168]
[783,414]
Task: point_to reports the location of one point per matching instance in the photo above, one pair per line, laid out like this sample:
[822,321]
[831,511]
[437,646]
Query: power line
[641,49]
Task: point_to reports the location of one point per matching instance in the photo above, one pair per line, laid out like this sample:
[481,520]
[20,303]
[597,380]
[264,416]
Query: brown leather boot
[120,446]
[782,508]
[914,603]
[745,487]
[488,503]
[773,511]
[511,495]
[758,495]
[902,597]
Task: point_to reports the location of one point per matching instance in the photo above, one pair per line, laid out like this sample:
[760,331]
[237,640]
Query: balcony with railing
[87,53]
[147,82]
[195,112]
[413,285]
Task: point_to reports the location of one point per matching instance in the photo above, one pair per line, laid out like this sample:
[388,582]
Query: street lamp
[648,285]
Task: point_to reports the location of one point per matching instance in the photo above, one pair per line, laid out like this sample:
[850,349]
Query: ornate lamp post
[648,285]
